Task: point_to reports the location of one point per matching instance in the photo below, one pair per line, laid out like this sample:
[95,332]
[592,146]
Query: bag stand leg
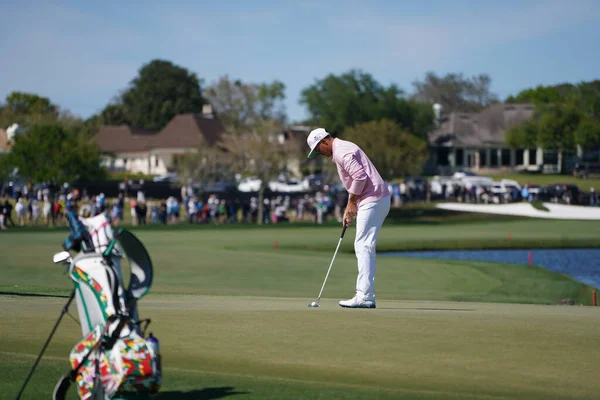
[63,312]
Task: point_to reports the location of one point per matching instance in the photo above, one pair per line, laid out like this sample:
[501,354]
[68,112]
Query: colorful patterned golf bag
[113,360]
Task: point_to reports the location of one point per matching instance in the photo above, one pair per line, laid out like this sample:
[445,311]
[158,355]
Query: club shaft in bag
[63,312]
[332,260]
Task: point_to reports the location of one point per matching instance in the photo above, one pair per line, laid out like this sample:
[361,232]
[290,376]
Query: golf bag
[113,360]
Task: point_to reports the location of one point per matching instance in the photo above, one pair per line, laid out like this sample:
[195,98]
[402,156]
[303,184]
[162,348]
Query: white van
[503,189]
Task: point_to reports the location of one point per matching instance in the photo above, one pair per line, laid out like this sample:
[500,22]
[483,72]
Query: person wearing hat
[368,203]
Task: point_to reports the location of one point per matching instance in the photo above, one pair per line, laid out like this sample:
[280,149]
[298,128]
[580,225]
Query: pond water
[583,265]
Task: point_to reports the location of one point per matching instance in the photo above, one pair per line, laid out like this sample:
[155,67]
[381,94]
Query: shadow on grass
[27,294]
[201,394]
[427,309]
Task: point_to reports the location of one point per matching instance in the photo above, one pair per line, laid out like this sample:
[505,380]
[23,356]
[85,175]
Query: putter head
[314,304]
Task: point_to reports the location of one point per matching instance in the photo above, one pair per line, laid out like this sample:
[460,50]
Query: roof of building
[183,131]
[189,131]
[124,139]
[487,127]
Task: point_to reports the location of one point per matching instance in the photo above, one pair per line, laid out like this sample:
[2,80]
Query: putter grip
[343,231]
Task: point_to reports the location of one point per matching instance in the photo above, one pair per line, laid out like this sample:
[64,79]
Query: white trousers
[369,220]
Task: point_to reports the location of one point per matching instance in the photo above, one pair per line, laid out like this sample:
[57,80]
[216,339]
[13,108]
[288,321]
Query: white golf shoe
[358,302]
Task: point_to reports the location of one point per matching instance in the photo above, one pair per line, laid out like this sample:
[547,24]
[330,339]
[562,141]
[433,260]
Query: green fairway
[274,348]
[236,262]
[229,305]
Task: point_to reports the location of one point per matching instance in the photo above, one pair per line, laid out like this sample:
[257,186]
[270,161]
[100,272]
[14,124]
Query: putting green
[278,348]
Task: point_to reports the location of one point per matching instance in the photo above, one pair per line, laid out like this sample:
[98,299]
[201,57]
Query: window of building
[505,157]
[550,157]
[460,157]
[532,156]
[520,156]
[483,161]
[494,157]
[442,155]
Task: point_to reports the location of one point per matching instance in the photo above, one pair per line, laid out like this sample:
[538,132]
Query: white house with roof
[476,141]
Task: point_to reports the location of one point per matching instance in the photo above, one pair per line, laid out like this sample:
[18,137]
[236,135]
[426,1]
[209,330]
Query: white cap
[314,138]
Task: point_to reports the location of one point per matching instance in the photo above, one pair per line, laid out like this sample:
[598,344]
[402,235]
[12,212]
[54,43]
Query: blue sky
[81,54]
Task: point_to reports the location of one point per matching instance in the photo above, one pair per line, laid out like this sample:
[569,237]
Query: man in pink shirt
[368,202]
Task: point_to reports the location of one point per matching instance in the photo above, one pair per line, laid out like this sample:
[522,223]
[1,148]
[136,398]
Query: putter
[316,303]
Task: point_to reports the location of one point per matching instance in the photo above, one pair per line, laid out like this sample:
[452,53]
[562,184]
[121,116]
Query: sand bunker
[555,211]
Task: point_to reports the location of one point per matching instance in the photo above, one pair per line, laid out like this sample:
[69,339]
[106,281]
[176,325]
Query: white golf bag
[113,360]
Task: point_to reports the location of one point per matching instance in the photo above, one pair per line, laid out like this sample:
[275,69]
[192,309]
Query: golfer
[368,202]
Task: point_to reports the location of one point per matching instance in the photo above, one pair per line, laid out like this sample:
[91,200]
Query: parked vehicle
[290,186]
[533,189]
[169,177]
[477,181]
[505,190]
[316,182]
[562,193]
[220,187]
[586,170]
[250,184]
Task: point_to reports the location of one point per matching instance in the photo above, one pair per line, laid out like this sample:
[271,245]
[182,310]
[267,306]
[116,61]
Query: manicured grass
[264,348]
[229,305]
[291,261]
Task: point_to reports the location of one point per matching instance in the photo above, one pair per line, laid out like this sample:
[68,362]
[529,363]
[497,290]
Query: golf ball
[314,304]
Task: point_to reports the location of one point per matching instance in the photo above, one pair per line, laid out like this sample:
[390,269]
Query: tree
[27,109]
[52,153]
[340,102]
[241,106]
[586,96]
[556,128]
[566,116]
[455,92]
[27,103]
[393,150]
[253,117]
[538,95]
[5,167]
[114,114]
[587,134]
[159,92]
[523,136]
[257,153]
[205,166]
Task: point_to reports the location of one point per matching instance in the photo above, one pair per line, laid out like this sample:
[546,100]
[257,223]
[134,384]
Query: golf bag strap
[111,245]
[108,254]
[113,278]
[117,332]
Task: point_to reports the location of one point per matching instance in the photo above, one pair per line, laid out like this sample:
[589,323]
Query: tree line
[391,124]
[566,116]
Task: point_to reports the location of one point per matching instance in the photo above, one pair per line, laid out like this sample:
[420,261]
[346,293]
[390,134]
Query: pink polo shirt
[357,172]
